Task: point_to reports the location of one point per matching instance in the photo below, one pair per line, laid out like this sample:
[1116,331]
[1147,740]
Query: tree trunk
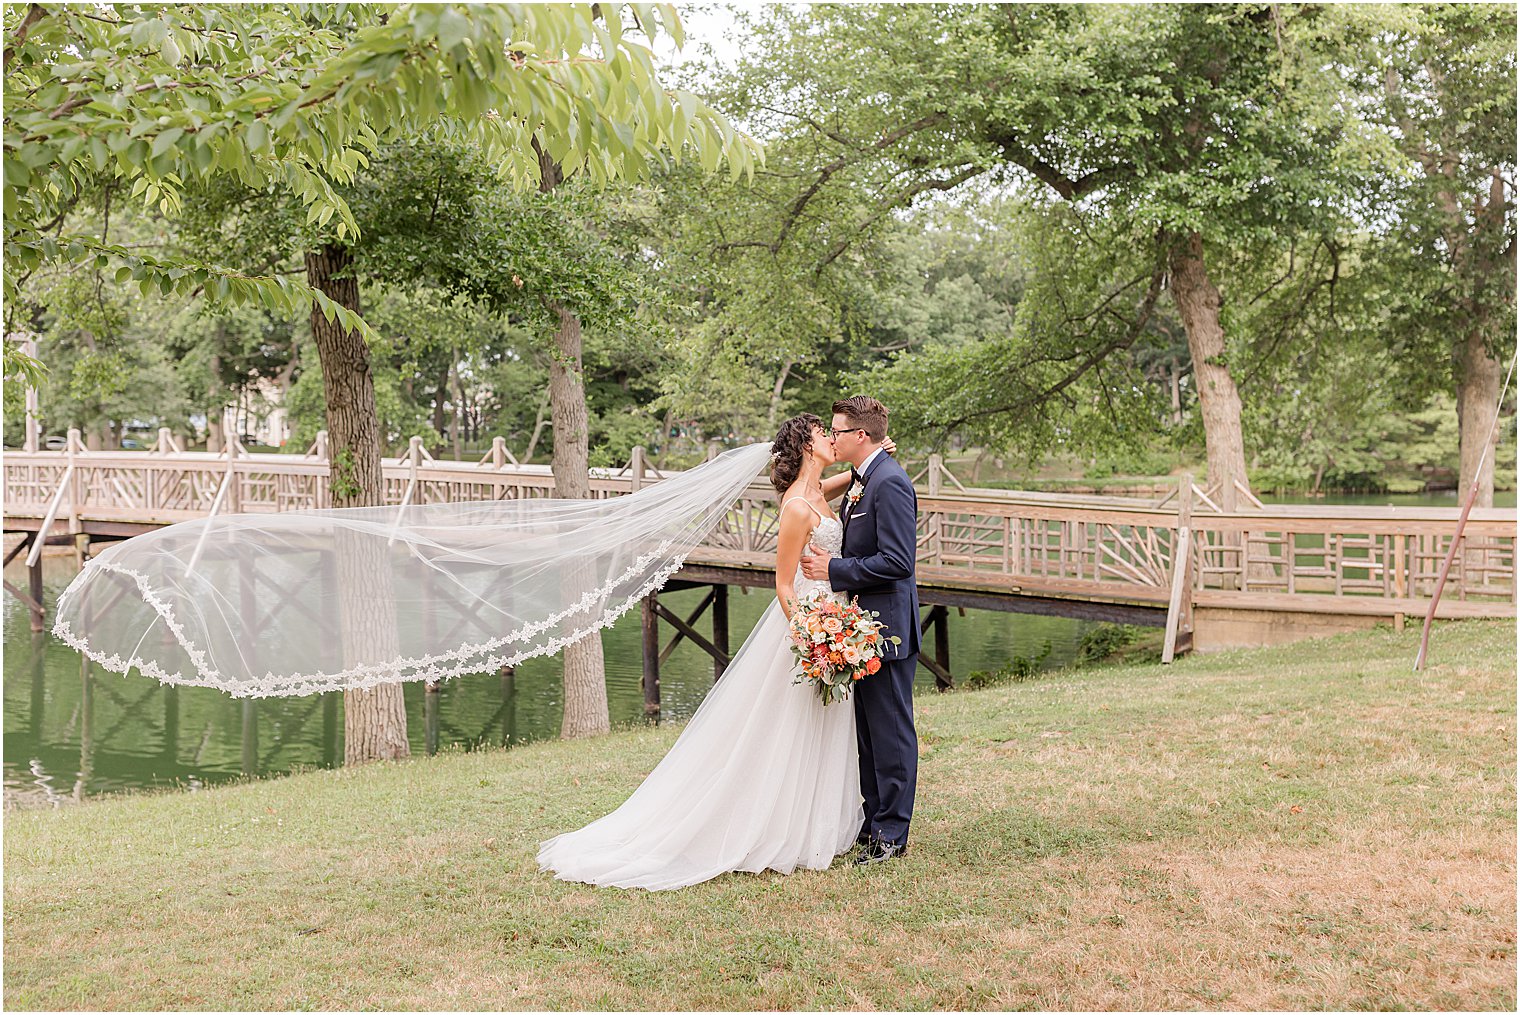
[374,719]
[1176,386]
[776,390]
[456,395]
[1198,304]
[538,425]
[1482,258]
[440,396]
[585,675]
[1478,379]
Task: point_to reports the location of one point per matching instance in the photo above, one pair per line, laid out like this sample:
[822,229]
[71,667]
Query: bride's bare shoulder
[796,511]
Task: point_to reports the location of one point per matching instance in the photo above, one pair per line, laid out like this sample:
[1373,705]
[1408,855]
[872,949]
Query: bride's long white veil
[306,601]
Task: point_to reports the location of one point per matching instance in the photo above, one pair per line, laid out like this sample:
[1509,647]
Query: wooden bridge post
[1179,612]
[81,541]
[651,631]
[936,519]
[636,468]
[720,629]
[938,664]
[235,481]
[322,492]
[942,647]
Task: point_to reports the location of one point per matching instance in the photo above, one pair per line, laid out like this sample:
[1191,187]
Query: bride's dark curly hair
[792,442]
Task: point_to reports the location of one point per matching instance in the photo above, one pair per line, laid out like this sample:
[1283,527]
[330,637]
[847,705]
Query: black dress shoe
[878,851]
[863,839]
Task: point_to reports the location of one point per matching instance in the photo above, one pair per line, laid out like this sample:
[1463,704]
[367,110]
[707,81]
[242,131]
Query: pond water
[74,730]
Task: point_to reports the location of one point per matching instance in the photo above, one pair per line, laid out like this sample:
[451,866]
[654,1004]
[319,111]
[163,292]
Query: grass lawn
[1305,827]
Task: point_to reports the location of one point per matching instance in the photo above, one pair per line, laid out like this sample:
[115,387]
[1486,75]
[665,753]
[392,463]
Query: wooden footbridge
[1211,578]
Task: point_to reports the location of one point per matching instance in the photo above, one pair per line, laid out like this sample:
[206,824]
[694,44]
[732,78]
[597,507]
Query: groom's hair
[865,412]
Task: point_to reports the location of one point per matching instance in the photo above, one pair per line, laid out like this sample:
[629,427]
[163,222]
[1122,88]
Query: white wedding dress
[763,777]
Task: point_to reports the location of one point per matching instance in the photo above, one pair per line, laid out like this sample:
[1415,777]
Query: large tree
[1180,131]
[153,97]
[1443,78]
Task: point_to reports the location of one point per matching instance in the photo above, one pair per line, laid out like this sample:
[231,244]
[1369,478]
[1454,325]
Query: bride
[764,776]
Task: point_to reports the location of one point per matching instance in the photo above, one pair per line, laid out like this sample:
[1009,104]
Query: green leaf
[166,140]
[257,137]
[453,28]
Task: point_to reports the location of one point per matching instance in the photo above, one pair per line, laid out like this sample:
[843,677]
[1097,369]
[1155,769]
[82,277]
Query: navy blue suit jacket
[880,550]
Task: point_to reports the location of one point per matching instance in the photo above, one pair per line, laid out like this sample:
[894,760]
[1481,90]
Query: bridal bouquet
[836,645]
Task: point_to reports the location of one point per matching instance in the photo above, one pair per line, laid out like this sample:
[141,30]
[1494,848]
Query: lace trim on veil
[468,658]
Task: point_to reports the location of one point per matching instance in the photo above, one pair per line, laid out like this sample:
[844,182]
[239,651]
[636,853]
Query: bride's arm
[796,527]
[834,485]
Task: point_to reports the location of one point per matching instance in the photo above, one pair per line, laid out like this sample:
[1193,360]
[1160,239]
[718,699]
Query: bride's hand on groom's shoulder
[889,445]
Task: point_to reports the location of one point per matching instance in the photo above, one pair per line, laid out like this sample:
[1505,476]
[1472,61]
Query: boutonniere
[855,492]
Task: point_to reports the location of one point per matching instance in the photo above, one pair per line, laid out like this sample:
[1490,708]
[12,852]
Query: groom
[880,513]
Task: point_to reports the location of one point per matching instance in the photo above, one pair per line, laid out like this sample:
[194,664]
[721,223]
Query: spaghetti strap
[805,501]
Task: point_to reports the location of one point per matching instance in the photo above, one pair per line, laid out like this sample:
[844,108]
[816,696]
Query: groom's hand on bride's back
[815,564]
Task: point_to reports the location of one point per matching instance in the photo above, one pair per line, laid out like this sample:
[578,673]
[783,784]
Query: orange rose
[872,665]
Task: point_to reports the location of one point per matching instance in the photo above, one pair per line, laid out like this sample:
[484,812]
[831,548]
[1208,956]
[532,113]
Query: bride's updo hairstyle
[790,447]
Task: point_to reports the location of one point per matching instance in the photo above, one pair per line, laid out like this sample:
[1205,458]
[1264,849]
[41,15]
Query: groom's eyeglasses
[830,431]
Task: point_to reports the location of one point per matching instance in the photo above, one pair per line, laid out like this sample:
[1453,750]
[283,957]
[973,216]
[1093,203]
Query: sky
[709,26]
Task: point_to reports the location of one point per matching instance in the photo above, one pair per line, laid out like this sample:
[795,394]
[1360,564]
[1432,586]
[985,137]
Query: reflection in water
[508,705]
[39,640]
[86,728]
[250,758]
[330,746]
[430,718]
[73,730]
[169,750]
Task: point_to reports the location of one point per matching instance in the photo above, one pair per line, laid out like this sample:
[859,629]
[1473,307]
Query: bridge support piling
[938,618]
[942,648]
[720,630]
[651,631]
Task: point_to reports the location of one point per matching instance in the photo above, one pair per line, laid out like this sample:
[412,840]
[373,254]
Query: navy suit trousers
[888,748]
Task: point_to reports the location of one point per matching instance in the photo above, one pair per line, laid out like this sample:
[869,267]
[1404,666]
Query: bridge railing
[1283,557]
